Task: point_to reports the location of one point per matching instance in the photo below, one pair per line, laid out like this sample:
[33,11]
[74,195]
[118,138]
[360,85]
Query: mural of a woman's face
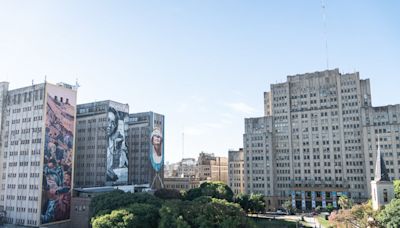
[156,140]
[112,123]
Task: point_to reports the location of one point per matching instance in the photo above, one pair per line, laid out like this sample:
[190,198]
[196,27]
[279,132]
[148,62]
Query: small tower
[382,189]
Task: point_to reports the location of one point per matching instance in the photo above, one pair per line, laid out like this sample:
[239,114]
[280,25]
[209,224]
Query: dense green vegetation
[210,205]
[362,215]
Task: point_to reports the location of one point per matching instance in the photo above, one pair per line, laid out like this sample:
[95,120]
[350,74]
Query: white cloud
[241,107]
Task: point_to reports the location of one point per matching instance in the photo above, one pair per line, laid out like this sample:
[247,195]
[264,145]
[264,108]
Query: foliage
[287,205]
[344,202]
[390,215]
[105,203]
[202,212]
[357,216]
[168,194]
[134,215]
[251,203]
[329,208]
[396,184]
[318,209]
[117,219]
[218,190]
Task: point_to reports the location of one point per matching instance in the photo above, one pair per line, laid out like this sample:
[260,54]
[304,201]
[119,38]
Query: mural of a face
[156,140]
[112,123]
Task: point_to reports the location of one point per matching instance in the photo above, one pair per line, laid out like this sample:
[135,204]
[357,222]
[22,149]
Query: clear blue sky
[203,64]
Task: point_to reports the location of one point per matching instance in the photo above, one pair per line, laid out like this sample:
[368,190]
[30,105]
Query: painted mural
[58,154]
[117,151]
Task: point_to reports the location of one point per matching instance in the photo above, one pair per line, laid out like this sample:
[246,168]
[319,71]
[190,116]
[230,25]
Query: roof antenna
[325,32]
[183,143]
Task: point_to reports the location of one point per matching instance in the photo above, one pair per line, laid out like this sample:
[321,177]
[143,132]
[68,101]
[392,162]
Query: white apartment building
[36,152]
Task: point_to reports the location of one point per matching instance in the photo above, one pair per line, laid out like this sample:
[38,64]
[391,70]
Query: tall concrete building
[114,147]
[101,149]
[381,124]
[321,140]
[146,167]
[212,168]
[236,170]
[36,152]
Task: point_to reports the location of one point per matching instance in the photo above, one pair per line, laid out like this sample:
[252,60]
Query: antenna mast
[183,144]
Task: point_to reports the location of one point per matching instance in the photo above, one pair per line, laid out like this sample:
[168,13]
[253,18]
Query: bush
[168,194]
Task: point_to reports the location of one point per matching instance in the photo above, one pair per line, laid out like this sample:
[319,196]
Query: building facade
[236,170]
[323,138]
[101,149]
[144,167]
[181,183]
[212,168]
[37,153]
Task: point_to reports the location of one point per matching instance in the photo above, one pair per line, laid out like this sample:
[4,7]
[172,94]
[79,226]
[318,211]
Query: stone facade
[236,170]
[320,142]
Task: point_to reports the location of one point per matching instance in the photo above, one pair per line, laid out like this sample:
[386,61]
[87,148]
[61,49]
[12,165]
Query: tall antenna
[325,32]
[183,143]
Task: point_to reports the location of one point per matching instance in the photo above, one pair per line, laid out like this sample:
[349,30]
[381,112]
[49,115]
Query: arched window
[385,196]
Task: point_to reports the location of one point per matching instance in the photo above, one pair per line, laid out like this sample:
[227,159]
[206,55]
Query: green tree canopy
[390,215]
[396,184]
[251,203]
[168,194]
[134,215]
[218,190]
[203,212]
[105,203]
[117,219]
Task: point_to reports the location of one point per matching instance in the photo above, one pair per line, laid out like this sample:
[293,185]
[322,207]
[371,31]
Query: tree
[202,212]
[243,200]
[105,203]
[287,205]
[396,184]
[134,215]
[168,194]
[357,216]
[344,202]
[117,219]
[146,215]
[217,190]
[257,203]
[390,215]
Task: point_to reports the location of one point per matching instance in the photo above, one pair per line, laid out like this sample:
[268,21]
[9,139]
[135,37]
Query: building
[101,149]
[187,167]
[382,188]
[181,183]
[82,197]
[114,147]
[322,132]
[171,169]
[37,147]
[146,167]
[212,168]
[381,124]
[259,157]
[236,170]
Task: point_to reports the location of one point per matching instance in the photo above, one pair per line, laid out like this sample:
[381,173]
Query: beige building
[181,183]
[236,171]
[318,139]
[212,168]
